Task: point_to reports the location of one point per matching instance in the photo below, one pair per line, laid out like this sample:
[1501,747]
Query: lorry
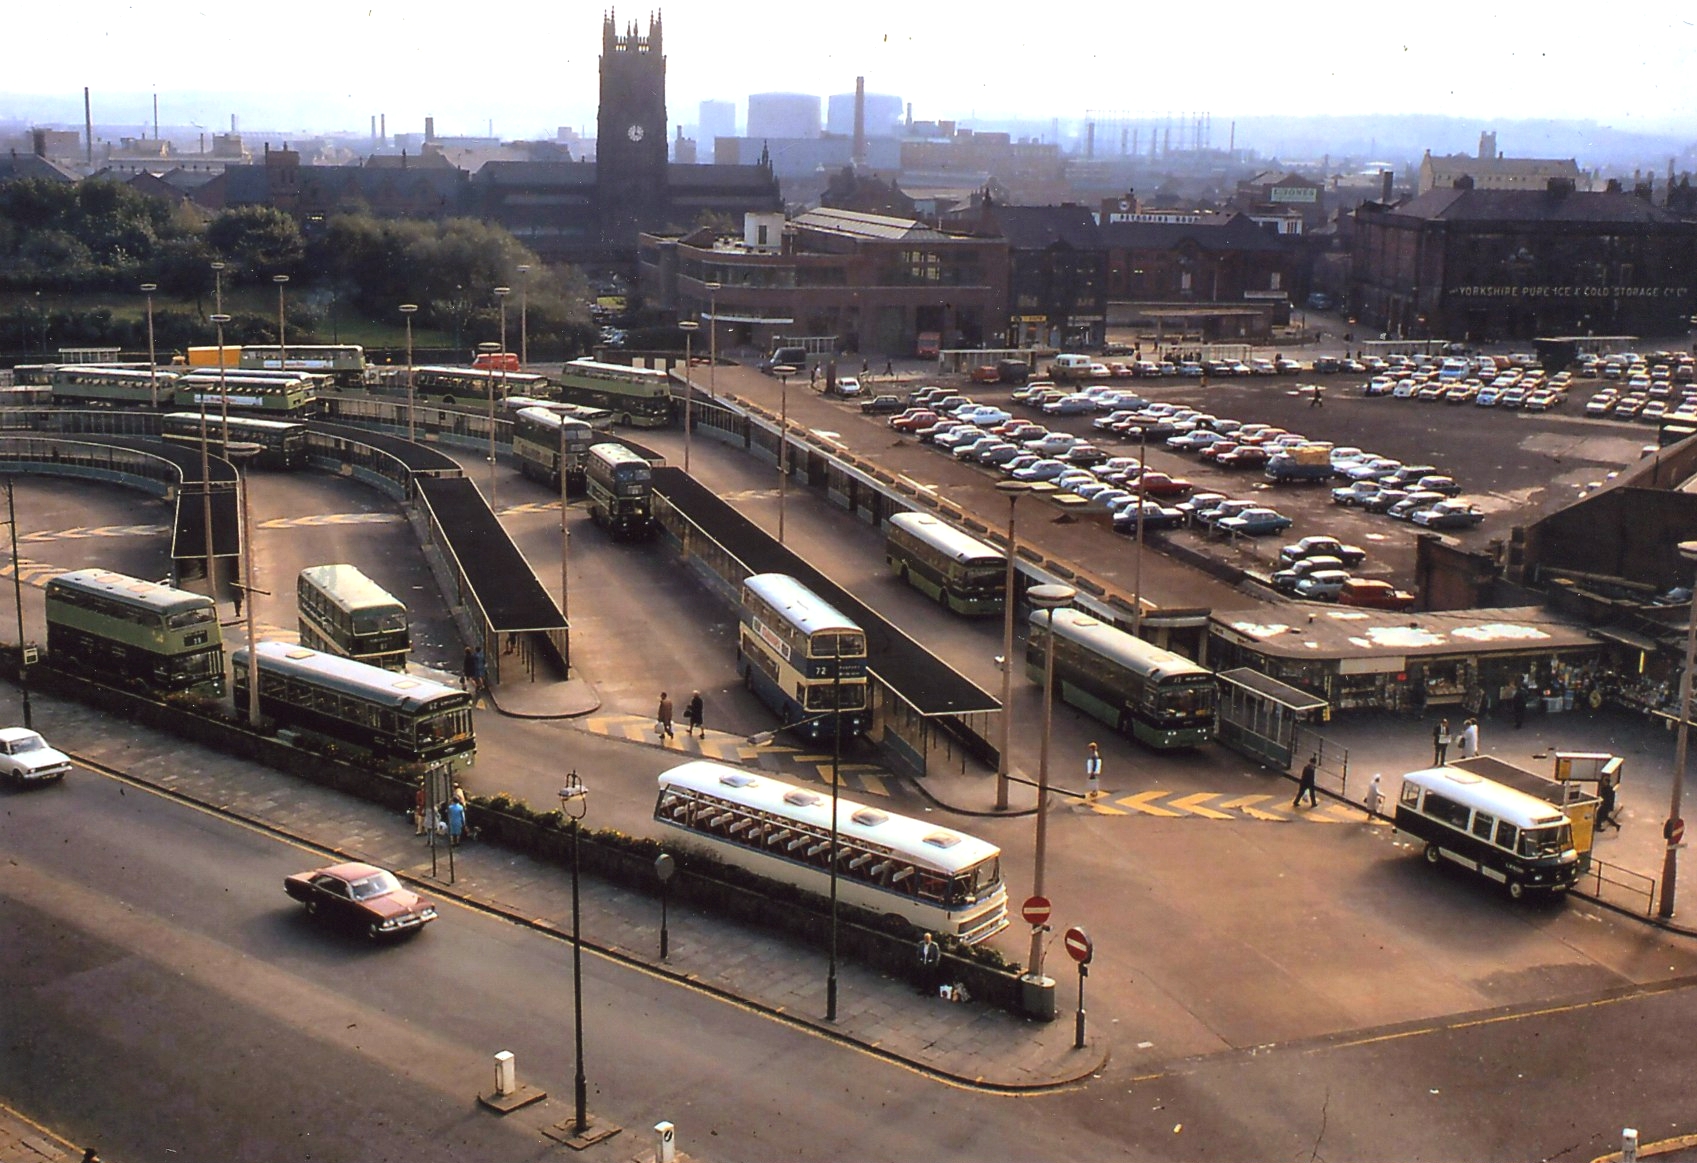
[928,344]
[208,356]
[1305,463]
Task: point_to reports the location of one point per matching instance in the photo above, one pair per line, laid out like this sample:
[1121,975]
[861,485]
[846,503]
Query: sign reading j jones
[1557,292]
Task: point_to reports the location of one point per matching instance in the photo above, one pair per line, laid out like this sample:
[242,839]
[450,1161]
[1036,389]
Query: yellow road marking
[1193,804]
[1246,805]
[1140,803]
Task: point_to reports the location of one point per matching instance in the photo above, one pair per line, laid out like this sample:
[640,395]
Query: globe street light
[1670,859]
[689,327]
[712,338]
[1013,490]
[408,310]
[282,338]
[152,363]
[218,289]
[1046,599]
[524,316]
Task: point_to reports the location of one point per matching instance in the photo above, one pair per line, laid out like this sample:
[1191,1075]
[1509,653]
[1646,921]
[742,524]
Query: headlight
[388,923]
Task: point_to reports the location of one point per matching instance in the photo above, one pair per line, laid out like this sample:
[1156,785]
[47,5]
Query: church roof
[857,224]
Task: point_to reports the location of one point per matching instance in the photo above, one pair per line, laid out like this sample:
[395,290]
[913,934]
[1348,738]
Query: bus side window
[1482,825]
[1410,795]
[1507,835]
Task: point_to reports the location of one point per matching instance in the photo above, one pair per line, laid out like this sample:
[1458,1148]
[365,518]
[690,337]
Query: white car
[848,386]
[1053,444]
[1077,404]
[26,758]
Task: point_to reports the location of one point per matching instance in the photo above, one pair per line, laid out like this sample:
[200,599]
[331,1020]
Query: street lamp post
[524,316]
[501,294]
[282,335]
[218,291]
[565,545]
[242,454]
[18,598]
[1670,859]
[205,461]
[836,856]
[783,374]
[689,327]
[409,310]
[152,362]
[1137,545]
[712,338]
[574,805]
[1047,598]
[1013,490]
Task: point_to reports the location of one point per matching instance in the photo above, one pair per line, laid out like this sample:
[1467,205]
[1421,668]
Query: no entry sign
[1078,945]
[1035,910]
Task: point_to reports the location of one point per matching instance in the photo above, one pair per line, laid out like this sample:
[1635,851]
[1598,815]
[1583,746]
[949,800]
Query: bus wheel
[1516,890]
[1432,854]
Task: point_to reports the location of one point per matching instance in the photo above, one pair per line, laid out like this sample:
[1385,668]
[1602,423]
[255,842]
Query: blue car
[1255,522]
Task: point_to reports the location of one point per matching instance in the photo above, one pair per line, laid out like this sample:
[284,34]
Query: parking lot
[1513,464]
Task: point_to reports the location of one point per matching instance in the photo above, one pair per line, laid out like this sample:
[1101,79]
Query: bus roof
[962,547]
[918,841]
[348,587]
[1115,644]
[254,422]
[133,591]
[387,687]
[806,610]
[618,369]
[551,418]
[1506,803]
[616,454]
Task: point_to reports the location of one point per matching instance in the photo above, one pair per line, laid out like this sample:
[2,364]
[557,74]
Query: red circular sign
[1035,910]
[1676,831]
[1078,945]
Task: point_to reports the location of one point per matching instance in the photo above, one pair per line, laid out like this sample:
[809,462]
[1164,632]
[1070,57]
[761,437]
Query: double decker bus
[98,386]
[453,385]
[802,657]
[386,715]
[261,393]
[939,880]
[1506,835]
[952,568]
[282,443]
[1161,699]
[540,435]
[620,484]
[344,363]
[343,612]
[108,625]
[638,396]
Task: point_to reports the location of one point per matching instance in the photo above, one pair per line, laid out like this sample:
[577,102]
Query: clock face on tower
[635,132]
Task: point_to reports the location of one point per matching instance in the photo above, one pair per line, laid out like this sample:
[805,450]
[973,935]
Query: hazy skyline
[313,66]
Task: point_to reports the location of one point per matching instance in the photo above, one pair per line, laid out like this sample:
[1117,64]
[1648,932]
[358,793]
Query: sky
[312,65]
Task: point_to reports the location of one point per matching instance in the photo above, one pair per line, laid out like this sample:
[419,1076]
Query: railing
[1621,887]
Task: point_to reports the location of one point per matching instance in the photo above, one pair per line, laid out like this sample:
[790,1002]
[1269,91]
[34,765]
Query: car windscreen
[376,885]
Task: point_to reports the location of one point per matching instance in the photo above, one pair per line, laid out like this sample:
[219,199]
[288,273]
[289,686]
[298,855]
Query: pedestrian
[1440,742]
[1318,397]
[890,368]
[663,717]
[459,794]
[236,598]
[468,668]
[1606,809]
[418,810]
[692,716]
[1375,796]
[1093,773]
[813,376]
[1519,700]
[1305,786]
[456,822]
[864,367]
[479,677]
[930,965]
[1470,738]
[512,643]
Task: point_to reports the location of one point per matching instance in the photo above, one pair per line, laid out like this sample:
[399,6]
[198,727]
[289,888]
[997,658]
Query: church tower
[631,132]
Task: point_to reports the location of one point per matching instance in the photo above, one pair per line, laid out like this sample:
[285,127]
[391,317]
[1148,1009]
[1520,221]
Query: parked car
[1245,456]
[1193,506]
[1256,522]
[26,758]
[1046,469]
[1436,483]
[1194,441]
[1405,476]
[1323,586]
[1371,470]
[1053,444]
[913,420]
[1225,507]
[1381,501]
[848,386]
[1159,484]
[1322,545]
[1023,460]
[1153,514]
[1084,455]
[1374,594]
[1219,448]
[885,403]
[1405,509]
[1077,404]
[986,373]
[1448,514]
[930,433]
[1285,580]
[362,896]
[997,454]
[959,435]
[968,449]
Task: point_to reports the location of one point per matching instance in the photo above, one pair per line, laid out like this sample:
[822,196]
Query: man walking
[1470,738]
[692,716]
[1440,742]
[1092,774]
[663,717]
[1305,786]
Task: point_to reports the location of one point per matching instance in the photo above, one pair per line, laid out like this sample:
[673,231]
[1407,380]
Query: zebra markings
[1168,805]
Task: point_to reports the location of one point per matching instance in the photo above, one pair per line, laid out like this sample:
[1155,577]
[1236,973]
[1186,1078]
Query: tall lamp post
[219,320]
[574,805]
[783,374]
[1013,490]
[565,542]
[689,327]
[1137,545]
[1670,859]
[242,453]
[409,310]
[1047,598]
[282,335]
[18,598]
[152,363]
[524,316]
[501,294]
[218,292]
[712,338]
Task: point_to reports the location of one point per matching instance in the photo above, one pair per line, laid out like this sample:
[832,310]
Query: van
[1072,367]
[790,357]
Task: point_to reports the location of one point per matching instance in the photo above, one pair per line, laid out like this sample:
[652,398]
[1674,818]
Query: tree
[260,241]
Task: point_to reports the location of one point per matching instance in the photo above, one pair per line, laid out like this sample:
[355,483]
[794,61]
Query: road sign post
[1081,950]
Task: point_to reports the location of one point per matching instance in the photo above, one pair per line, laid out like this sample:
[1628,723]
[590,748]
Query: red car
[1159,484]
[1219,448]
[913,420]
[1374,594]
[987,373]
[363,897]
[1244,456]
